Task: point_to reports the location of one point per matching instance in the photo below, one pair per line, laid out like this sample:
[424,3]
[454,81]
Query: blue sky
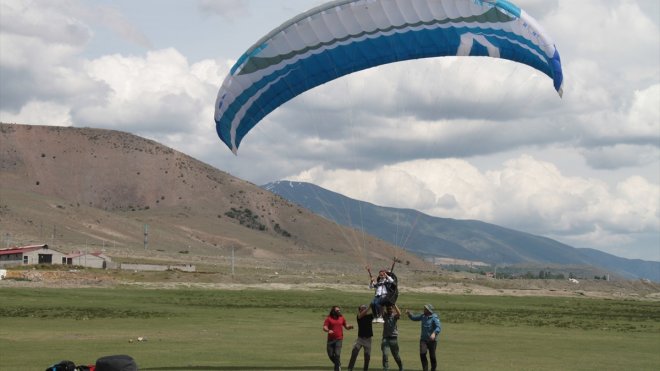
[469,139]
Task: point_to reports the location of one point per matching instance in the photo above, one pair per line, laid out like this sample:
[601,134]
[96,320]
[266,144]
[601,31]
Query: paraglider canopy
[345,36]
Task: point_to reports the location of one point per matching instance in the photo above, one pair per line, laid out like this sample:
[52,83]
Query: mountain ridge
[471,240]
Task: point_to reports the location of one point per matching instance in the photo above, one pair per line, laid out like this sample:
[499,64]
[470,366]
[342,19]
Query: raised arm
[372,280]
[364,312]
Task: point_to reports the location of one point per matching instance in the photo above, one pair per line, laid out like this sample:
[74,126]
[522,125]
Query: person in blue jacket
[428,340]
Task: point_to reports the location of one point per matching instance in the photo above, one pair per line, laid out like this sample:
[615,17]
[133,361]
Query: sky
[464,138]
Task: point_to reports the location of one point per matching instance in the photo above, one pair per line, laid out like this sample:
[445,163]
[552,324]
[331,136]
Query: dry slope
[82,188]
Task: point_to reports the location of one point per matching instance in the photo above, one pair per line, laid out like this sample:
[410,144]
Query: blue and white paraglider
[345,36]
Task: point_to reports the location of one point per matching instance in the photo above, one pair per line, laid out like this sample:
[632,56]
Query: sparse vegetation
[281,231]
[246,218]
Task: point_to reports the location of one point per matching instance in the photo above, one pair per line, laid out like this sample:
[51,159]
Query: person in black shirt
[365,333]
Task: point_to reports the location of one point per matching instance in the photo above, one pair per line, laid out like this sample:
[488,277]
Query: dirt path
[630,290]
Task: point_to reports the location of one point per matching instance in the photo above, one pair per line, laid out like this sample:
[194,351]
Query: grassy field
[197,329]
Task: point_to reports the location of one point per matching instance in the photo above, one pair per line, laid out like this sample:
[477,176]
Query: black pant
[430,346]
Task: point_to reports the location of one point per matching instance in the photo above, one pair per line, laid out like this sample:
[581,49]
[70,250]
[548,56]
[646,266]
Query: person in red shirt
[334,325]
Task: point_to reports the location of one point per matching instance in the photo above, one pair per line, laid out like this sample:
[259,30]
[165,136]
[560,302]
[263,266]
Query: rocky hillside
[91,189]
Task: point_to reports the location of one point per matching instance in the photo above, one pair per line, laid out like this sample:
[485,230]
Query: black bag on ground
[62,366]
[116,363]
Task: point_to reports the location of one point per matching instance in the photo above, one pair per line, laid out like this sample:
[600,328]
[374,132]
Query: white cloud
[230,10]
[643,119]
[440,88]
[616,34]
[623,136]
[639,120]
[160,96]
[39,113]
[538,8]
[115,20]
[45,20]
[621,155]
[525,194]
[37,62]
[402,134]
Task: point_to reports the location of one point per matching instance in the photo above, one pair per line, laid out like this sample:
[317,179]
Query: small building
[33,254]
[89,260]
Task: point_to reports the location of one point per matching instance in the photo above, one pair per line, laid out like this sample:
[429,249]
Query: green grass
[196,329]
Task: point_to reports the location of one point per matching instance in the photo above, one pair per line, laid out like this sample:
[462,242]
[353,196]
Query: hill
[91,189]
[469,240]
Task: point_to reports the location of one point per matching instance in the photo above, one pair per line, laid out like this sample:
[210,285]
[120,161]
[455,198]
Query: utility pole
[232,262]
[146,236]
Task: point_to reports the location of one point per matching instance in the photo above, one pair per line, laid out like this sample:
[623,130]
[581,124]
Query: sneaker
[380,320]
